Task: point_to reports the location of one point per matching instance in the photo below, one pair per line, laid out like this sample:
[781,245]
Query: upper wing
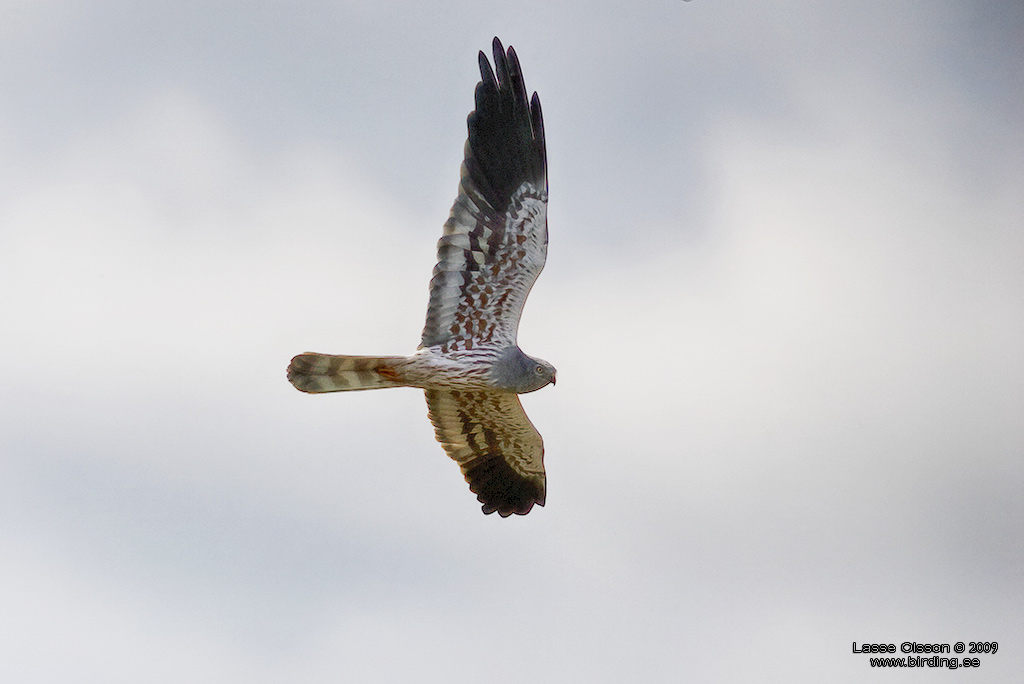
[495,241]
[500,452]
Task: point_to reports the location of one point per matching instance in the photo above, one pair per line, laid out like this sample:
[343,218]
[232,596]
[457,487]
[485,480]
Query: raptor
[493,248]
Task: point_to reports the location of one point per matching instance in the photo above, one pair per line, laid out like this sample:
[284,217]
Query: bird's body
[468,362]
[483,368]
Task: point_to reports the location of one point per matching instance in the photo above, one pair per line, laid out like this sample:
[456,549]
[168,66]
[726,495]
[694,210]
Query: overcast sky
[784,292]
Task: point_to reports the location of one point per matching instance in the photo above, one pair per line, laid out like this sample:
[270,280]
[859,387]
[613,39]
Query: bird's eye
[539,370]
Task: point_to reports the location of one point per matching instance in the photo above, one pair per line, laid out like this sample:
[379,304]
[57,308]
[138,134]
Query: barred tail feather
[315,373]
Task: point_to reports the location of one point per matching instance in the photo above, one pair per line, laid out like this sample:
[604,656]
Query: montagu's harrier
[494,246]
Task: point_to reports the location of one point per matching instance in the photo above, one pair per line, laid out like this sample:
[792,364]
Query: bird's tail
[311,372]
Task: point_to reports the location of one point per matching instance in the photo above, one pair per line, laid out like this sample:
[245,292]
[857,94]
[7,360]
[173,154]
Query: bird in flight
[493,248]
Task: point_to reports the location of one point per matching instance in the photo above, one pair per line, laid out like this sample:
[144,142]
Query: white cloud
[787,415]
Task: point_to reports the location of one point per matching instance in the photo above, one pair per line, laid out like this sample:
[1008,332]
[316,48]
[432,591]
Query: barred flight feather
[496,446]
[496,234]
[492,249]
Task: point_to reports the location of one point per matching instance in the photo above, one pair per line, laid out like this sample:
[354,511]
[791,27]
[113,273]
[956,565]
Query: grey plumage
[492,250]
[516,372]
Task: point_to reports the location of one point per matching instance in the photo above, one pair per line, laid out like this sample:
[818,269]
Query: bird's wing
[495,444]
[495,240]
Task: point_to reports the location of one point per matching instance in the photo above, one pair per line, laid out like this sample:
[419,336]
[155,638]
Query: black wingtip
[537,119]
[501,489]
[487,80]
[500,66]
[506,142]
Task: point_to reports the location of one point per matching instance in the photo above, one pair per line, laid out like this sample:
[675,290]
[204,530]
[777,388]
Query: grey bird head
[519,373]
